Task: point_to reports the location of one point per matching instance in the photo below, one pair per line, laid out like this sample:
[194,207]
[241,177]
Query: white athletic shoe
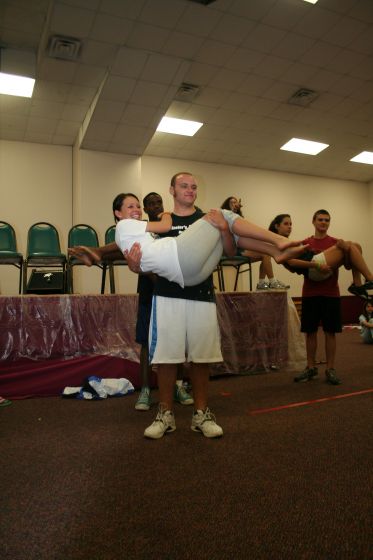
[204,421]
[164,422]
[278,285]
[262,285]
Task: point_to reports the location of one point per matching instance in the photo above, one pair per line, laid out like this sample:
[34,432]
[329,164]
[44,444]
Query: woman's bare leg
[335,257]
[277,254]
[243,228]
[265,268]
[255,238]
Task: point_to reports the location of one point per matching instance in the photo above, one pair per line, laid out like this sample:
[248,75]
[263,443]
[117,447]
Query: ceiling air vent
[64,48]
[303,97]
[187,92]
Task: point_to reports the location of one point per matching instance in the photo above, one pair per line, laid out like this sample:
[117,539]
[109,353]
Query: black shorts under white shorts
[143,321]
[321,310]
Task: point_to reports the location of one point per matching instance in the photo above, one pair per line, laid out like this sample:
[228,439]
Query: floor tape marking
[305,403]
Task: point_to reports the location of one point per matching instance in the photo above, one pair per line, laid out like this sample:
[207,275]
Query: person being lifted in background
[267,278]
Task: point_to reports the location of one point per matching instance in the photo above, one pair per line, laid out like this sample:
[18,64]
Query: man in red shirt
[321,304]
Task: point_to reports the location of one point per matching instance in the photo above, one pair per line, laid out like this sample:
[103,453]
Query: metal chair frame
[44,251]
[79,234]
[109,265]
[8,250]
[235,262]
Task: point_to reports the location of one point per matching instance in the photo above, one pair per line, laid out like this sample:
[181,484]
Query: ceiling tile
[232,29]
[108,110]
[129,9]
[77,20]
[317,22]
[212,51]
[243,60]
[255,9]
[147,93]
[160,68]
[164,13]
[111,29]
[199,19]
[117,88]
[285,15]
[264,38]
[247,57]
[319,54]
[148,37]
[182,45]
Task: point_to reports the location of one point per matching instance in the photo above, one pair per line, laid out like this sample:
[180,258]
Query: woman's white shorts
[314,273]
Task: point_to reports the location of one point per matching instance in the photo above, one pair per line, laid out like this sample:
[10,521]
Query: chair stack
[44,251]
[110,264]
[9,254]
[80,234]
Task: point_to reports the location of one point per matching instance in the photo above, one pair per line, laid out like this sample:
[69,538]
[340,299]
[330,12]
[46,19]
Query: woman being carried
[318,267]
[192,256]
[265,269]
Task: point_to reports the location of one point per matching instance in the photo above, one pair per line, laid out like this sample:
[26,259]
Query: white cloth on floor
[99,388]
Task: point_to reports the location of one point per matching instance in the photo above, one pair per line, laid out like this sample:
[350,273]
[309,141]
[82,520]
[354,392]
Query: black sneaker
[306,375]
[331,377]
[368,285]
[359,291]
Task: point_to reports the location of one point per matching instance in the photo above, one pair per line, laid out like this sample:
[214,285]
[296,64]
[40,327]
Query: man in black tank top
[184,324]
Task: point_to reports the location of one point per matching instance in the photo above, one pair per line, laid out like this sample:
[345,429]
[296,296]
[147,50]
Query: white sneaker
[262,285]
[278,285]
[164,422]
[204,421]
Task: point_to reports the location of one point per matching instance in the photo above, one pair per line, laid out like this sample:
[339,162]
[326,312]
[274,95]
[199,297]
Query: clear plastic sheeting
[68,326]
[253,325]
[254,331]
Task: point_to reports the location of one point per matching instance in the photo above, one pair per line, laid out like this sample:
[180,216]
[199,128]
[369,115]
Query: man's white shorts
[183,330]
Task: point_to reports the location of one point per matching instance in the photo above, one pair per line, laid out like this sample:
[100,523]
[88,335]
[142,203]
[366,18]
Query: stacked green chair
[43,251]
[80,234]
[8,250]
[109,265]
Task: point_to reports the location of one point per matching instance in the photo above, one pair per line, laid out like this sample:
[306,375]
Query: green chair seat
[44,250]
[106,264]
[8,250]
[80,234]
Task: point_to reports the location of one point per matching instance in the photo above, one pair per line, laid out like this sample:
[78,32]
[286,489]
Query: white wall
[98,178]
[35,186]
[63,186]
[266,193]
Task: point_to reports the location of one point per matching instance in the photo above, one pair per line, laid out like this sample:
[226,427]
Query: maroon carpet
[79,481]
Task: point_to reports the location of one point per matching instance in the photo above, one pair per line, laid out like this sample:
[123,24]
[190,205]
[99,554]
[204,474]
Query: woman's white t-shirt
[158,255]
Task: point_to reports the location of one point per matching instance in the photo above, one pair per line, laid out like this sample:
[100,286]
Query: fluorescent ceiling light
[364,157]
[311,1]
[10,84]
[304,146]
[179,126]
